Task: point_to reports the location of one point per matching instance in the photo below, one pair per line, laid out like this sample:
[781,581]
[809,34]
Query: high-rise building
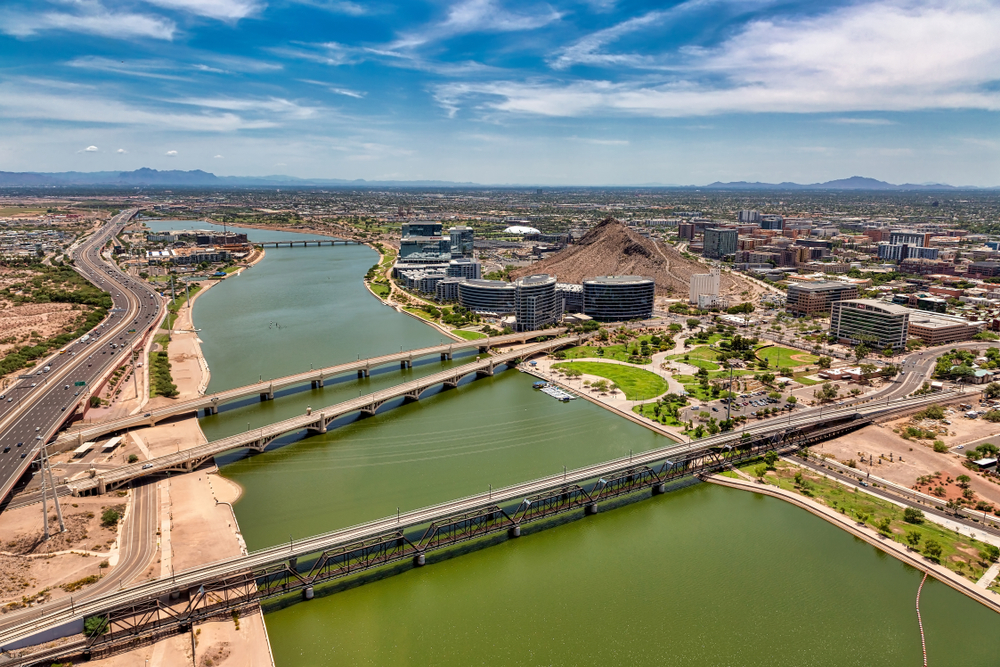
[900,251]
[685,230]
[464,267]
[535,303]
[705,284]
[749,216]
[461,241]
[618,298]
[487,297]
[421,229]
[771,222]
[909,237]
[719,242]
[872,323]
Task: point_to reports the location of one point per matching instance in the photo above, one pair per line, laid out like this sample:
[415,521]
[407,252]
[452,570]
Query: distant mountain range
[146,177]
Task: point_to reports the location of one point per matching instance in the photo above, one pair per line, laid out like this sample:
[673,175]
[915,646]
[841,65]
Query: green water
[700,576]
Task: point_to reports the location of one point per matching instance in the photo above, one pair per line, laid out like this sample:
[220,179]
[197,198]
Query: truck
[46,369]
[85,338]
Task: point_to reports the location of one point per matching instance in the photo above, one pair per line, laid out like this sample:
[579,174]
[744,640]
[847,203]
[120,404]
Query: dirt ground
[26,569]
[911,459]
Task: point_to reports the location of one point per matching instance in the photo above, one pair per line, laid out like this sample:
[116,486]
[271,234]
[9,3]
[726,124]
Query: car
[65,386]
[19,444]
[863,483]
[147,466]
[960,447]
[34,384]
[23,454]
[715,409]
[38,437]
[6,449]
[62,409]
[10,400]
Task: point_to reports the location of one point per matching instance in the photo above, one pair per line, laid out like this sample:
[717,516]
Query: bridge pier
[419,560]
[405,363]
[485,371]
[316,384]
[514,532]
[659,489]
[446,356]
[322,423]
[363,373]
[212,410]
[266,396]
[590,508]
[102,487]
[307,593]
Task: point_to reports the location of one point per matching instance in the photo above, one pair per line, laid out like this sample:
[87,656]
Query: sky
[586,92]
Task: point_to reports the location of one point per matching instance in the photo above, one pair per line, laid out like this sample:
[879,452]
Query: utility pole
[135,371]
[45,506]
[52,485]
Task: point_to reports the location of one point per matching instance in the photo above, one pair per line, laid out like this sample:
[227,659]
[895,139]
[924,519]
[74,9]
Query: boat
[558,394]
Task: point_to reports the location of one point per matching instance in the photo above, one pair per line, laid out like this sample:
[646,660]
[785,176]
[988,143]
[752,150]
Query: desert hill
[611,248]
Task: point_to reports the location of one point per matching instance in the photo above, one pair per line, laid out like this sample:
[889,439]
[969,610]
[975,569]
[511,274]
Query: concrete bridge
[314,421]
[217,589]
[315,242]
[266,390]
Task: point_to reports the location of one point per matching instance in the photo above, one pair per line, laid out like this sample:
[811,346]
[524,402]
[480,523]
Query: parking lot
[745,405]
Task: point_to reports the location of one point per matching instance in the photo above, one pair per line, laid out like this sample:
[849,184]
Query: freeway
[32,410]
[267,388]
[59,613]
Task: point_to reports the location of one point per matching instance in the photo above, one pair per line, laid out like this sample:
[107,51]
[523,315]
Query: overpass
[163,606]
[315,421]
[266,390]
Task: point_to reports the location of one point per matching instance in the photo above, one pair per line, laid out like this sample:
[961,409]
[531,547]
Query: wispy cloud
[152,69]
[90,149]
[121,151]
[336,89]
[884,57]
[274,105]
[861,121]
[223,10]
[601,142]
[472,16]
[171,153]
[90,17]
[337,7]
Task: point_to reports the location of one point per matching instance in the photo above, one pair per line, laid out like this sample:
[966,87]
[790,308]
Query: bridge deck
[382,532]
[212,401]
[317,420]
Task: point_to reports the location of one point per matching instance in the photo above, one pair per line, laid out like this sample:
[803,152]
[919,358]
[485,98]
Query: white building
[705,283]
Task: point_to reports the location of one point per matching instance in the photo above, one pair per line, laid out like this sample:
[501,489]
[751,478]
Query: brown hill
[612,249]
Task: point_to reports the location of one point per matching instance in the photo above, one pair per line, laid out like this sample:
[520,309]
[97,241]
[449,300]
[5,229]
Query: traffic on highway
[48,394]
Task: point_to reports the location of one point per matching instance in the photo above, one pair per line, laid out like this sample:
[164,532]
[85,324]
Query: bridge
[159,607]
[314,421]
[266,390]
[315,242]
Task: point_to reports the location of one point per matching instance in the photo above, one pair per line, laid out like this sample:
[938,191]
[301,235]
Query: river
[700,576]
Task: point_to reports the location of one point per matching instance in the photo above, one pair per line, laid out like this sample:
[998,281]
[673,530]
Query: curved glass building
[618,298]
[487,297]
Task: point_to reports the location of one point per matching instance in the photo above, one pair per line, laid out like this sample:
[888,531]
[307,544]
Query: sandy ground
[29,565]
[878,442]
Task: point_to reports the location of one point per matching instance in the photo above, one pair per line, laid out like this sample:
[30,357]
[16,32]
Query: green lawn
[468,335]
[848,501]
[419,313]
[648,410]
[781,357]
[700,357]
[636,383]
[616,352]
[381,290]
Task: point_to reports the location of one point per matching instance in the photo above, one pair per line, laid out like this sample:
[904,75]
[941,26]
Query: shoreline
[914,559]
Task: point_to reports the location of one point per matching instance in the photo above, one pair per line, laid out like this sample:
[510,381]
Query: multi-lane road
[33,409]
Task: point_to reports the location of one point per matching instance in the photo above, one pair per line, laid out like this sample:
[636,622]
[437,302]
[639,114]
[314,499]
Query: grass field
[848,501]
[648,410]
[636,383]
[781,357]
[700,357]
[616,352]
[468,335]
[419,313]
[381,290]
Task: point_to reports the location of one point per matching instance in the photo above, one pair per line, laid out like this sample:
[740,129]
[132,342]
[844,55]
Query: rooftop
[618,280]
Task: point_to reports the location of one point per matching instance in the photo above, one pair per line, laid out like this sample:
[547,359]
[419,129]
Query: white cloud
[275,105]
[92,19]
[886,57]
[121,151]
[36,103]
[471,16]
[224,10]
[90,149]
[602,142]
[861,121]
[152,69]
[216,157]
[171,153]
[349,8]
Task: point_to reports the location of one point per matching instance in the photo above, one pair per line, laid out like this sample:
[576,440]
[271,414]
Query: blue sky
[590,92]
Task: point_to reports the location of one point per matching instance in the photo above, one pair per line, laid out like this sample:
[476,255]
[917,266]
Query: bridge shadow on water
[387,571]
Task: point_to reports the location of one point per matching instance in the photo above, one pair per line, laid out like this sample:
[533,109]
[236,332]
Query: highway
[33,409]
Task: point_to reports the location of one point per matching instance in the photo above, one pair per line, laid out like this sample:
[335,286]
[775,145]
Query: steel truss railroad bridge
[167,606]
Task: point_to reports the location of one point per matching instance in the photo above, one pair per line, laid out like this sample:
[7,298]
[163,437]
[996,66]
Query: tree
[95,625]
[885,525]
[770,458]
[862,516]
[693,323]
[913,515]
[861,351]
[110,518]
[992,390]
[826,393]
[792,400]
[913,539]
[675,328]
[759,471]
[932,549]
[963,481]
[989,553]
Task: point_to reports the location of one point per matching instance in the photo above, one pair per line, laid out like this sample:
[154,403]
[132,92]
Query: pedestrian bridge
[266,390]
[303,244]
[314,421]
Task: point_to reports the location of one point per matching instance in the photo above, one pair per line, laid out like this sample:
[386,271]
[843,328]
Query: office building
[719,242]
[685,231]
[984,269]
[535,303]
[465,268]
[461,241]
[487,297]
[872,323]
[909,237]
[813,298]
[935,329]
[438,246]
[571,296]
[421,229]
[771,222]
[749,216]
[446,291]
[705,284]
[618,298]
[900,251]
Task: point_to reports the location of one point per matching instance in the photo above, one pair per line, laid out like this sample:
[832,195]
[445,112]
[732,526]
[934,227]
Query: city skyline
[557,93]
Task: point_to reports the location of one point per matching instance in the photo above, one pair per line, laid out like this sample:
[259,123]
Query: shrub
[932,550]
[913,515]
[132,458]
[940,447]
[94,625]
[110,518]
